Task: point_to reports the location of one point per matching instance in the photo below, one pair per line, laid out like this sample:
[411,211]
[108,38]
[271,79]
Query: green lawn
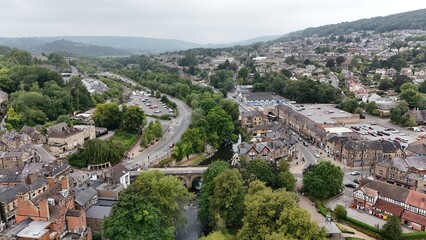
[126,140]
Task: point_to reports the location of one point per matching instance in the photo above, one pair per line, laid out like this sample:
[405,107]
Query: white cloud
[192,20]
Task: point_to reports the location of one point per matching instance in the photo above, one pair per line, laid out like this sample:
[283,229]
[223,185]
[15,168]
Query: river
[193,228]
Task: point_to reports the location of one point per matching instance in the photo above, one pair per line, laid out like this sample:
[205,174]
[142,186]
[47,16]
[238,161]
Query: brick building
[55,211]
[383,199]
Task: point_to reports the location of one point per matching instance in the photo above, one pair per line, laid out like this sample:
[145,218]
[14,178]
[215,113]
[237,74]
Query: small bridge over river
[190,176]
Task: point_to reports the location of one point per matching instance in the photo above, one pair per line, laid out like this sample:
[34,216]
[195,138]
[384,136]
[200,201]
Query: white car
[403,134]
[317,155]
[396,131]
[355,173]
[157,111]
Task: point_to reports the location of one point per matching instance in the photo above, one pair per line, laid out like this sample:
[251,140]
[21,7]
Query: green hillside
[408,20]
[79,49]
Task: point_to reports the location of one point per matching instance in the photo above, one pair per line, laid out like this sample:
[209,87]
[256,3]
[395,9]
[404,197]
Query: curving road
[161,149]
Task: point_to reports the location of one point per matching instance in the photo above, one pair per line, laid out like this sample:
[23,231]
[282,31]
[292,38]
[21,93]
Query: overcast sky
[202,21]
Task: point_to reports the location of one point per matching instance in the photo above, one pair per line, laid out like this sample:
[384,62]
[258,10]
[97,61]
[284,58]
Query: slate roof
[38,183]
[10,175]
[64,134]
[263,127]
[56,127]
[73,213]
[51,169]
[417,148]
[85,196]
[118,171]
[417,162]
[388,190]
[253,113]
[10,194]
[375,145]
[98,212]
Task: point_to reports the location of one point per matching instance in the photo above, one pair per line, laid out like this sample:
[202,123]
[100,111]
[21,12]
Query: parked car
[317,155]
[157,111]
[350,185]
[355,173]
[395,131]
[356,180]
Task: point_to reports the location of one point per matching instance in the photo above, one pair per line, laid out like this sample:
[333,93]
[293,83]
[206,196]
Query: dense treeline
[37,94]
[256,212]
[303,90]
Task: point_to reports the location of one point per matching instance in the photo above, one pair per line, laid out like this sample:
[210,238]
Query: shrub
[340,212]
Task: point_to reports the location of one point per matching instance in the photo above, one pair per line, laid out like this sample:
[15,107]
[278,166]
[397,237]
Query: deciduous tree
[392,230]
[133,119]
[107,115]
[323,181]
[207,189]
[228,197]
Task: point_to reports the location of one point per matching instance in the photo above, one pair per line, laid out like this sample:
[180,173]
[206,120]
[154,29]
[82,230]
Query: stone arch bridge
[190,176]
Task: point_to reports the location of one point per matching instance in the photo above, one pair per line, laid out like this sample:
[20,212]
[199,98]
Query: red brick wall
[26,209]
[73,223]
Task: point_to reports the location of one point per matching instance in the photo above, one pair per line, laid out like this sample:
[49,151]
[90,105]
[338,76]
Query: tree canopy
[323,181]
[152,204]
[207,190]
[275,215]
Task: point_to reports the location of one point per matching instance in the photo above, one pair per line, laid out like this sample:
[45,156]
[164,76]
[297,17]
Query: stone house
[417,148]
[15,159]
[60,141]
[417,115]
[119,174]
[8,202]
[268,151]
[14,139]
[249,119]
[395,171]
[365,152]
[36,136]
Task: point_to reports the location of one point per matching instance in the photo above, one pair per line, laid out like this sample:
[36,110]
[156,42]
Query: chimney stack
[65,183]
[51,181]
[43,206]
